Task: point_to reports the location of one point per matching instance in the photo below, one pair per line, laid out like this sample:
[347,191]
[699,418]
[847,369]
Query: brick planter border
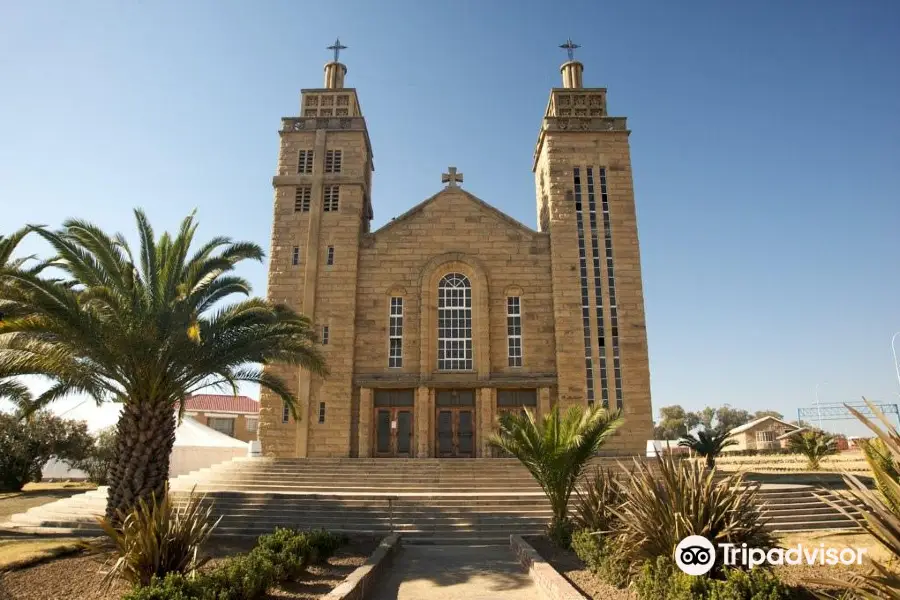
[551,583]
[359,583]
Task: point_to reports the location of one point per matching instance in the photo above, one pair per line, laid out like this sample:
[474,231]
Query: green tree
[146,329]
[708,443]
[27,445]
[672,423]
[767,413]
[100,457]
[727,418]
[555,450]
[814,444]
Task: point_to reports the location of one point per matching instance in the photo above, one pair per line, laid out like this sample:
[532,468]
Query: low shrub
[277,557]
[662,580]
[603,557]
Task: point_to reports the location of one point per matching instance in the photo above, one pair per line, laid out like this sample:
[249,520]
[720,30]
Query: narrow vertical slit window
[295,256]
[395,334]
[329,256]
[302,194]
[333,161]
[321,412]
[598,288]
[332,197]
[285,412]
[514,330]
[585,302]
[325,335]
[611,283]
[305,162]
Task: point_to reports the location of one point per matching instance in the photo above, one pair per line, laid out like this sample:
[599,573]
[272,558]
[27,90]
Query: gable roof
[221,403]
[756,422]
[478,201]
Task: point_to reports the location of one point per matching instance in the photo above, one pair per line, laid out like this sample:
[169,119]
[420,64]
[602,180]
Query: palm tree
[17,394]
[708,443]
[146,333]
[555,450]
[814,444]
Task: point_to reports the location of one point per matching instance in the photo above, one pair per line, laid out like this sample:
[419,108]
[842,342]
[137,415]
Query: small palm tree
[708,443]
[555,450]
[814,444]
[145,330]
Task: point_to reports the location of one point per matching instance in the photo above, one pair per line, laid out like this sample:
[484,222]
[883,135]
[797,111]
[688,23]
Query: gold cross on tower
[451,178]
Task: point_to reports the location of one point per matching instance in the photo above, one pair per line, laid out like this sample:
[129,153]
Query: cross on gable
[451,178]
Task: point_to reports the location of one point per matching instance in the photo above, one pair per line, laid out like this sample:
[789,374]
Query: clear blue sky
[766,148]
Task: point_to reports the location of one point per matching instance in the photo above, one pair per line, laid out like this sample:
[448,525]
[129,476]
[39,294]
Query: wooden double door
[454,424]
[394,423]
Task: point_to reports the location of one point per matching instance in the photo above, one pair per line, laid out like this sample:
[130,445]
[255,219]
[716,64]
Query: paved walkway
[455,573]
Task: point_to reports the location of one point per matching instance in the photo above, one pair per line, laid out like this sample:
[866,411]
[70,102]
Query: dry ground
[35,494]
[79,577]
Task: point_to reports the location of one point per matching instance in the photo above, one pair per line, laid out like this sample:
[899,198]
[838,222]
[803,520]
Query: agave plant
[156,537]
[682,499]
[814,444]
[879,509]
[555,450]
[145,329]
[708,443]
[598,496]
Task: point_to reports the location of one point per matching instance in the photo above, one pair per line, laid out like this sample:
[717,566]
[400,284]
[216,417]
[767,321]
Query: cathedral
[454,312]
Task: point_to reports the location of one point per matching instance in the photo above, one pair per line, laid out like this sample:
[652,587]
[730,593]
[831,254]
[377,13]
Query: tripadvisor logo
[696,555]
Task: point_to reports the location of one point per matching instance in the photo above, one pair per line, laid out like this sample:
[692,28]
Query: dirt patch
[576,572]
[79,577]
[36,494]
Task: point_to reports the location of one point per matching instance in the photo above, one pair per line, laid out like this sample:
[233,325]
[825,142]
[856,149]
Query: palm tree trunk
[710,461]
[144,438]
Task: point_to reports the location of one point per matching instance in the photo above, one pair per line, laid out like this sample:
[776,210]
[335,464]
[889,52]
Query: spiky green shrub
[682,499]
[879,509]
[156,538]
[662,580]
[814,444]
[598,496]
[708,444]
[555,450]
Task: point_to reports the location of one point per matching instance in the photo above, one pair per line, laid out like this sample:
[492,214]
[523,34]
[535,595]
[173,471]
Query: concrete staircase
[426,500]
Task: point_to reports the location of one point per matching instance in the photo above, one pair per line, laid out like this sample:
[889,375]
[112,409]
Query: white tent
[198,446]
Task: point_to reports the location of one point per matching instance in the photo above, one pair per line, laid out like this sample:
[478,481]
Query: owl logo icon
[695,555]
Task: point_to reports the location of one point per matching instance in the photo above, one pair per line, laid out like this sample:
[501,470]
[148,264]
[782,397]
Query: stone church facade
[453,311]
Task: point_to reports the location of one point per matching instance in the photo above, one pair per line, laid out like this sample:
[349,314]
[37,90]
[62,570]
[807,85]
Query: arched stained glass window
[455,323]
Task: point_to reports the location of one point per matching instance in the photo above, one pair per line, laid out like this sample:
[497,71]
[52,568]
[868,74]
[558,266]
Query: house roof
[785,436]
[478,202]
[222,403]
[756,422]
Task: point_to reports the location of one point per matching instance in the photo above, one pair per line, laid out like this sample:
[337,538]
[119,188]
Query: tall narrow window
[325,336]
[285,412]
[302,194]
[455,323]
[305,162]
[395,334]
[598,288]
[514,330]
[611,283]
[329,256]
[585,303]
[321,412]
[332,197]
[333,161]
[295,256]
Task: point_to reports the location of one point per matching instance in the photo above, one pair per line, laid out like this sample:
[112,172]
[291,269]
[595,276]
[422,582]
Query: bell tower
[585,200]
[322,209]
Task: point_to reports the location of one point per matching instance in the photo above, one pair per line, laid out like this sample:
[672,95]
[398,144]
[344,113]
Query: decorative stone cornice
[577,125]
[454,380]
[314,123]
